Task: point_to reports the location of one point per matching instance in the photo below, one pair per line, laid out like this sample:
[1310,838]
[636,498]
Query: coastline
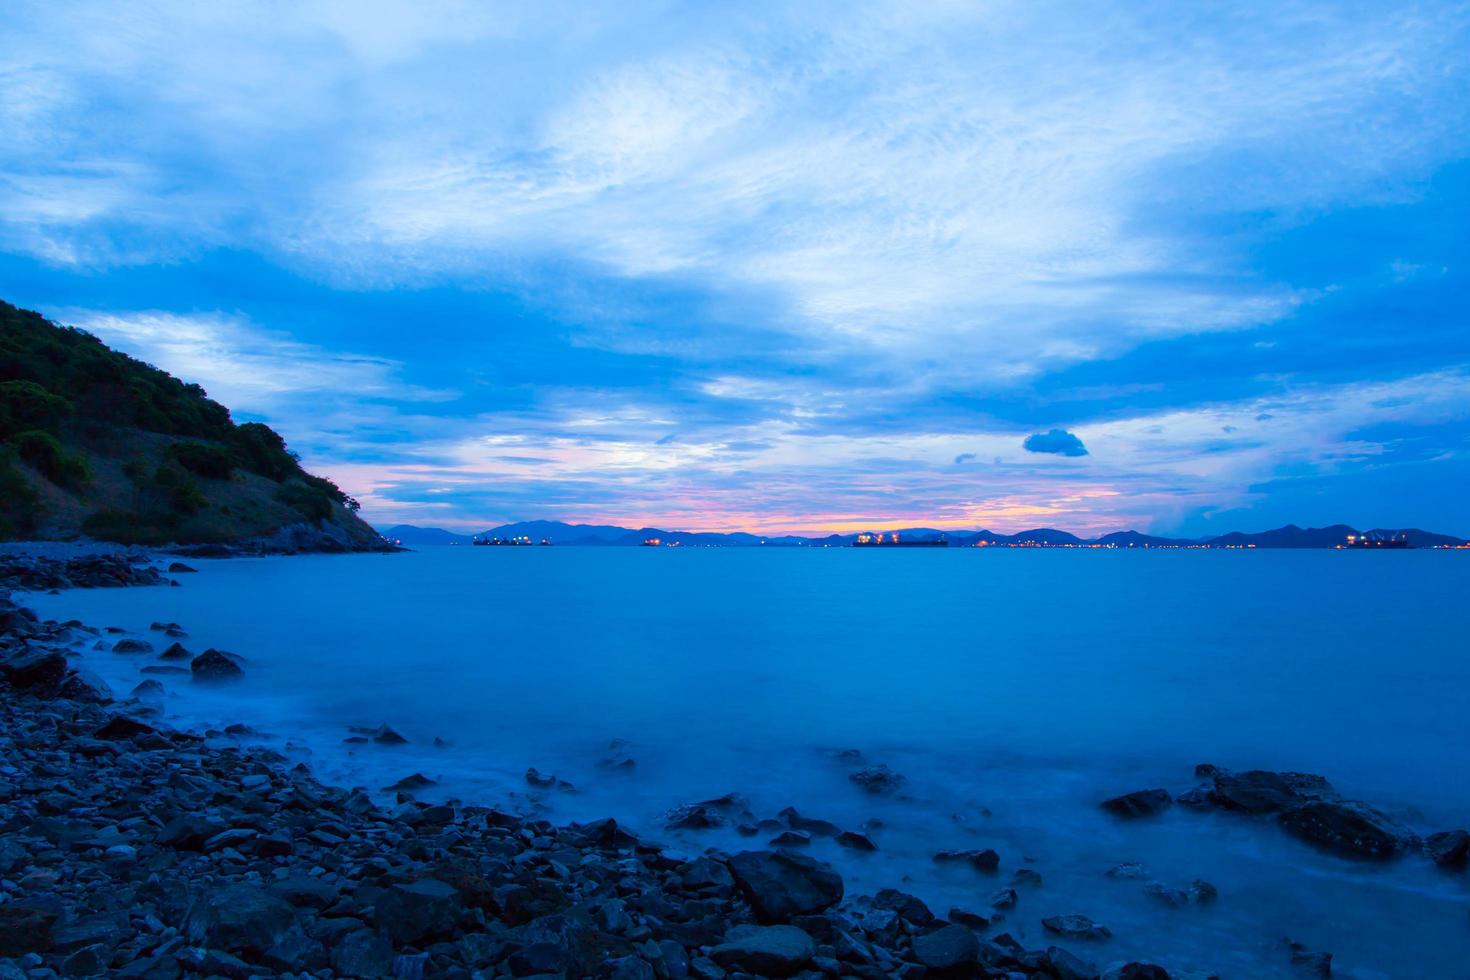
[138,850]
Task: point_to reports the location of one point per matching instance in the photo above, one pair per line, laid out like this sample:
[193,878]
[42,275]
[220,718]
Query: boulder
[1141,803]
[767,951]
[132,646]
[121,727]
[1076,927]
[416,911]
[1137,971]
[240,918]
[1261,791]
[1346,828]
[175,651]
[37,671]
[950,949]
[877,779]
[363,953]
[780,884]
[856,841]
[986,860]
[215,665]
[1450,849]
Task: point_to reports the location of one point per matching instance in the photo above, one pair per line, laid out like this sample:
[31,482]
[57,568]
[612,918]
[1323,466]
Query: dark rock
[877,779]
[857,842]
[175,651]
[362,953]
[1310,962]
[418,911]
[1450,849]
[1260,791]
[1143,803]
[179,568]
[121,727]
[1137,971]
[239,918]
[947,950]
[1076,927]
[410,783]
[986,860]
[89,961]
[780,884]
[384,735]
[132,646]
[1347,828]
[25,929]
[810,825]
[768,951]
[215,665]
[1128,869]
[791,838]
[37,671]
[908,907]
[965,917]
[189,832]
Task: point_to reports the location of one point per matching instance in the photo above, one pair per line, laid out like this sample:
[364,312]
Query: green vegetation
[98,442]
[44,452]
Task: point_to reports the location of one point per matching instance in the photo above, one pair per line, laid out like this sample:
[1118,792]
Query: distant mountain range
[607,535]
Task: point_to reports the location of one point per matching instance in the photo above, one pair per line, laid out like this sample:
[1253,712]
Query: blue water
[1013,688]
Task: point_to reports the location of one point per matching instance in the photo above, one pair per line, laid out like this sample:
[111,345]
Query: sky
[1184,268]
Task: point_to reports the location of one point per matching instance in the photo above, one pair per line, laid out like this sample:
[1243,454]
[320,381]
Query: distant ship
[519,541]
[1375,542]
[892,539]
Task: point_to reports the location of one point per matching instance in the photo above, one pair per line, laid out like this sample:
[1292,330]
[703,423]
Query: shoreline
[1256,801]
[138,850]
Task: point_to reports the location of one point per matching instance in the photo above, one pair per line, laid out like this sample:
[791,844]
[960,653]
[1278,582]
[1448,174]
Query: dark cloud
[964,458]
[1059,442]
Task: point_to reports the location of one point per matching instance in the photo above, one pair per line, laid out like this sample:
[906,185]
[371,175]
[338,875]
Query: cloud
[1057,441]
[964,458]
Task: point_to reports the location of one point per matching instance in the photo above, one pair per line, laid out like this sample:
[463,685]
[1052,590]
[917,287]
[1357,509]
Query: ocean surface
[1014,689]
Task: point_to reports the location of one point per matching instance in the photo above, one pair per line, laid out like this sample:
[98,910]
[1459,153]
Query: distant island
[609,535]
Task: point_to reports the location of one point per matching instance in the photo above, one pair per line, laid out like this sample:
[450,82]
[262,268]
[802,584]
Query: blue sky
[780,267]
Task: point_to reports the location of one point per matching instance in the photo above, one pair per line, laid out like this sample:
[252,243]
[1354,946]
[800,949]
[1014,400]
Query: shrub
[181,493]
[26,405]
[311,502]
[20,508]
[42,451]
[211,462]
[128,527]
[260,449]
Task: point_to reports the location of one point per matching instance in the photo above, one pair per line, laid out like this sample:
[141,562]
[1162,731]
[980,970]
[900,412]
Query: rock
[132,646]
[121,727]
[768,951]
[189,832]
[1164,895]
[780,884]
[175,651]
[1346,828]
[37,671]
[25,929]
[949,949]
[179,568]
[810,825]
[706,814]
[877,779]
[1028,877]
[419,910]
[410,783]
[1449,850]
[986,860]
[1128,869]
[1137,971]
[384,735]
[1310,962]
[150,690]
[240,918]
[215,665]
[1143,803]
[89,961]
[362,953]
[908,907]
[1201,892]
[1076,927]
[791,838]
[857,842]
[1006,898]
[1260,791]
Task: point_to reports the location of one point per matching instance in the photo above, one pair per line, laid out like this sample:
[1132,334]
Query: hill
[94,443]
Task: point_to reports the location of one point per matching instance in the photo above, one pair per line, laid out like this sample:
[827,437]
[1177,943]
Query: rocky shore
[134,850]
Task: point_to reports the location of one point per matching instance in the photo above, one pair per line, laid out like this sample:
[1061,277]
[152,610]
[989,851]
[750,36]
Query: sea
[1012,689]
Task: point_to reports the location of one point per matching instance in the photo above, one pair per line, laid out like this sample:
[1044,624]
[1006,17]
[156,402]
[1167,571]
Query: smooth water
[1014,689]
